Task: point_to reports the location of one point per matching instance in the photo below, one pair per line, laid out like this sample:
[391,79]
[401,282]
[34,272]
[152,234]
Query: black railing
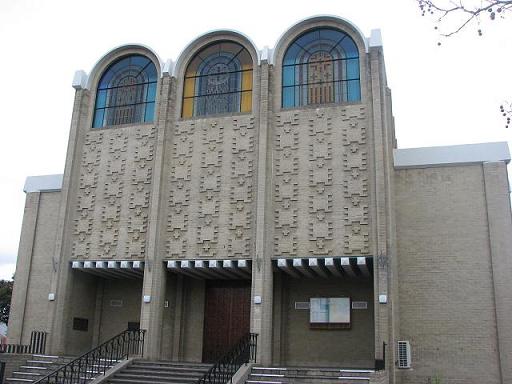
[224,369]
[2,371]
[380,364]
[98,360]
[37,345]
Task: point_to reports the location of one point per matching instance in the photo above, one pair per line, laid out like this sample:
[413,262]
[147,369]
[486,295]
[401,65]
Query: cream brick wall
[36,255]
[114,319]
[301,346]
[447,304]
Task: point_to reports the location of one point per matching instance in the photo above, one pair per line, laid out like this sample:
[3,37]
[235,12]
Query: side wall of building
[446,283]
[29,306]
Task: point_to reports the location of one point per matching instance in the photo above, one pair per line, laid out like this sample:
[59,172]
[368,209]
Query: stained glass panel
[321,66]
[126,92]
[218,80]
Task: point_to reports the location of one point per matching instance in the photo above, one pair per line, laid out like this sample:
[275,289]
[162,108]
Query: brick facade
[320,181]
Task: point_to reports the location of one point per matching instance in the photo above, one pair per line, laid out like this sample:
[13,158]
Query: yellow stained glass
[218,80]
[189,87]
[246,105]
[247,78]
[188,108]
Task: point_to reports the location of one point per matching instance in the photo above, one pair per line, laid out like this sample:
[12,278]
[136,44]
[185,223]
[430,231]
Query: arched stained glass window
[218,80]
[126,92]
[321,66]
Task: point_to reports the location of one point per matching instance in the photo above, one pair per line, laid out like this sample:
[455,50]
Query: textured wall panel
[111,216]
[321,190]
[210,188]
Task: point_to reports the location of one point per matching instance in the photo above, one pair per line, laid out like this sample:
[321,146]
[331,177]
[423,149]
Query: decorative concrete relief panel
[114,192]
[241,190]
[356,188]
[285,242]
[142,173]
[179,203]
[182,169]
[113,187]
[88,180]
[287,169]
[211,179]
[180,194]
[321,191]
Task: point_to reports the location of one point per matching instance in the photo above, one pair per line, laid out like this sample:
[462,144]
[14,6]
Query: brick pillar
[261,314]
[23,265]
[155,272]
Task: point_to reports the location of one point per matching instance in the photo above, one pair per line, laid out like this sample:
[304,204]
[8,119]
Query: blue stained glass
[149,114]
[288,97]
[138,61]
[291,54]
[101,99]
[151,92]
[214,80]
[353,90]
[123,90]
[98,118]
[151,73]
[331,34]
[288,76]
[352,69]
[306,39]
[323,53]
[350,48]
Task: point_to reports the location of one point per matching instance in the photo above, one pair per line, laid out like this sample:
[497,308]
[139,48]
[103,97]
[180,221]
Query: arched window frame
[209,90]
[345,85]
[126,92]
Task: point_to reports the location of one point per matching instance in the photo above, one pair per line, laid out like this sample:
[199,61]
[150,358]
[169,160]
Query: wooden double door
[227,316]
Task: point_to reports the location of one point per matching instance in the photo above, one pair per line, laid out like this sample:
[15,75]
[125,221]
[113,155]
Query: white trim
[46,183]
[191,47]
[80,80]
[375,39]
[451,155]
[108,57]
[313,19]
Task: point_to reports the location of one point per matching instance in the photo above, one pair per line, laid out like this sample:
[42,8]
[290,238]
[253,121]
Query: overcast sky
[441,95]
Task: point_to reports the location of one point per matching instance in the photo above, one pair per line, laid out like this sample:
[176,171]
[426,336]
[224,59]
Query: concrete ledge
[451,155]
[242,374]
[46,183]
[112,371]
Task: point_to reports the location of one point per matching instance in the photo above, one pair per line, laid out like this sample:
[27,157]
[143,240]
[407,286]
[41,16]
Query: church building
[240,190]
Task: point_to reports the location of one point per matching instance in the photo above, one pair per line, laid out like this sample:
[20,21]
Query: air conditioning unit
[404,354]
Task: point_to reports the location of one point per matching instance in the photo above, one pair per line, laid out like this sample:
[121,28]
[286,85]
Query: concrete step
[167,372]
[160,372]
[173,364]
[168,379]
[36,367]
[307,375]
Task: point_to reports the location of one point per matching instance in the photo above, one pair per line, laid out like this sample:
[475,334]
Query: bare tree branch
[454,16]
[464,13]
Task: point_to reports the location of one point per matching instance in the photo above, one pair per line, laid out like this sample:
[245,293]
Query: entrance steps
[307,375]
[37,367]
[159,372]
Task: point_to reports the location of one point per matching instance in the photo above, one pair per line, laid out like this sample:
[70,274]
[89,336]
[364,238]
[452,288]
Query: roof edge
[44,183]
[451,155]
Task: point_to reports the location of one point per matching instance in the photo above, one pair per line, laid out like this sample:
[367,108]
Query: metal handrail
[98,360]
[225,368]
[37,345]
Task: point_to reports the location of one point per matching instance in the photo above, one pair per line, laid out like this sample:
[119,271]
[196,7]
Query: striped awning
[123,269]
[212,269]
